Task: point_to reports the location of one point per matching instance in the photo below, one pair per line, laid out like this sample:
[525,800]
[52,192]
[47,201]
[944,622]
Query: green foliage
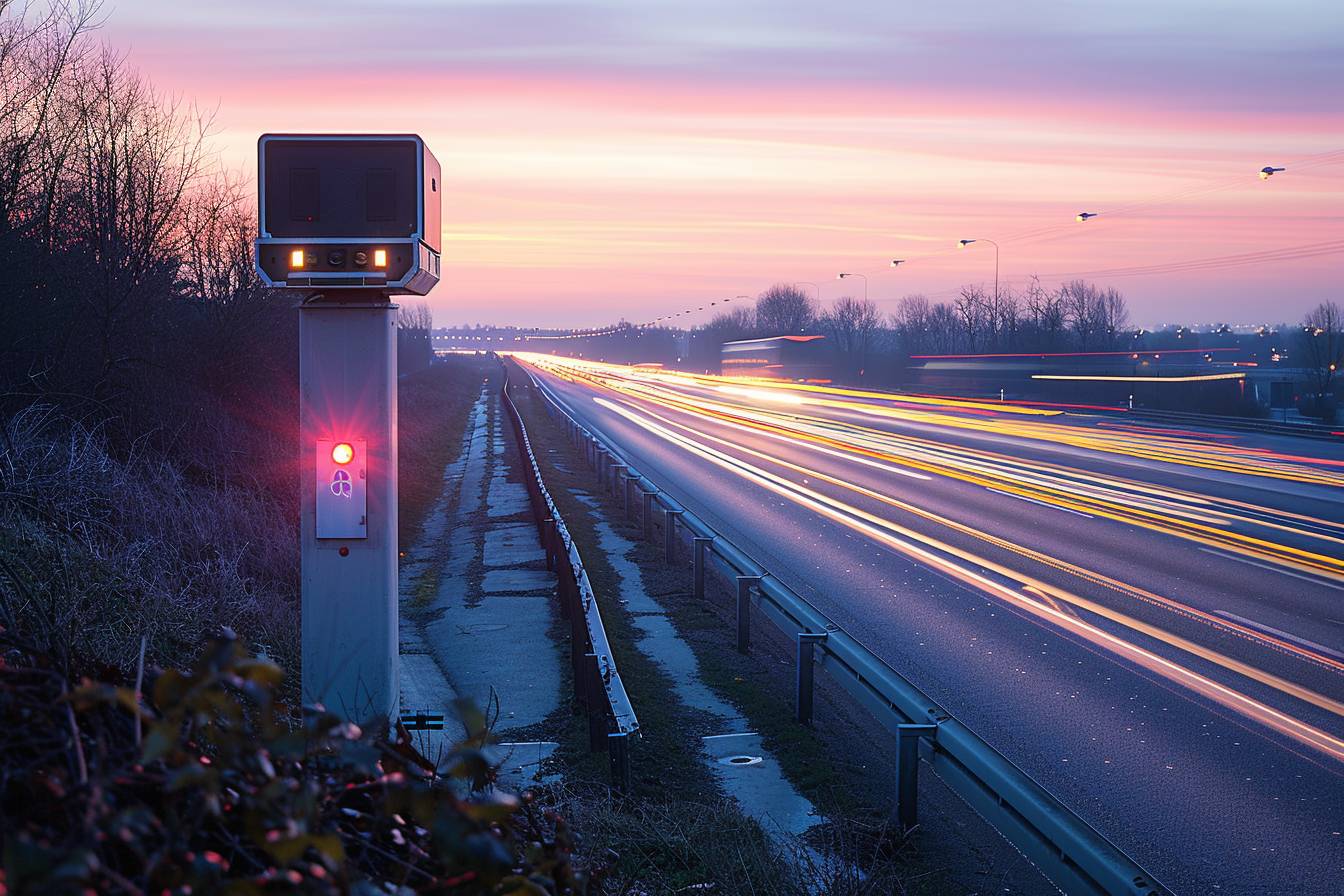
[208,785]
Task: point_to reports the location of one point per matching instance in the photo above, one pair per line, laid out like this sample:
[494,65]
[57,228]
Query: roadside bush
[206,786]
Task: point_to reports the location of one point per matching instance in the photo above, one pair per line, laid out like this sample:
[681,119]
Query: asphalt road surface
[1148,620]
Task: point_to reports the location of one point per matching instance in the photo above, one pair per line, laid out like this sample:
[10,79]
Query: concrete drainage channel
[735,756]
[1073,855]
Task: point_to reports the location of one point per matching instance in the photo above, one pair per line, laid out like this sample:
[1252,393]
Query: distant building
[803,358]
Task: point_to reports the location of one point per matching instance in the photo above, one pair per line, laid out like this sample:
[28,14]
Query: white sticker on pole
[342,488]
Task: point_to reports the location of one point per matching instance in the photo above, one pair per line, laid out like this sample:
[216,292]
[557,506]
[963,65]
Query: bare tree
[910,321]
[1115,316]
[217,228]
[39,47]
[784,309]
[1322,345]
[971,307]
[944,328]
[852,324]
[415,317]
[739,323]
[137,158]
[1045,315]
[1082,305]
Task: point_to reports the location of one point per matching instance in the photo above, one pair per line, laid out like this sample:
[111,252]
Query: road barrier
[1242,424]
[1069,851]
[598,688]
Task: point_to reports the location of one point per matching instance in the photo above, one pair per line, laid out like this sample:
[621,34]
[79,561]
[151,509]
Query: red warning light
[342,452]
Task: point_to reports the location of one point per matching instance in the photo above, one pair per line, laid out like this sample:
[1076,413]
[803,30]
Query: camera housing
[348,212]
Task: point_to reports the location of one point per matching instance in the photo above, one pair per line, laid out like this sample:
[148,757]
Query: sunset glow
[602,155]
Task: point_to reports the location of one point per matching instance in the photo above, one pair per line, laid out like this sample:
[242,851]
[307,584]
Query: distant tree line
[1075,316]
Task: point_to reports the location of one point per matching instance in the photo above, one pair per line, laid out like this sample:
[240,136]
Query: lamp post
[865,282]
[964,243]
[897,262]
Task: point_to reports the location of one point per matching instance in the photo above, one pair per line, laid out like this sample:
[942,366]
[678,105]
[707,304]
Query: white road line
[1042,503]
[1270,630]
[1287,572]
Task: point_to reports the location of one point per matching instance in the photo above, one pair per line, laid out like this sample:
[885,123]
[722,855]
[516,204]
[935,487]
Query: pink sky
[609,159]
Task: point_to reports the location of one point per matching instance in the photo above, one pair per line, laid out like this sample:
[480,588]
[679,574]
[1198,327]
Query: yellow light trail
[1006,420]
[1201,528]
[934,553]
[1159,380]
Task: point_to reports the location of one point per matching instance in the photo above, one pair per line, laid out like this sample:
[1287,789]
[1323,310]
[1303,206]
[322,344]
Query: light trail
[942,557]
[1168,511]
[1027,553]
[1003,421]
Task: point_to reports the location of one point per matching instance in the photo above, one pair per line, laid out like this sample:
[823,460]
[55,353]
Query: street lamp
[865,282]
[897,262]
[1268,171]
[1083,216]
[964,243]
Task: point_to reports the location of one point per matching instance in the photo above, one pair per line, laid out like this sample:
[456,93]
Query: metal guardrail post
[698,547]
[617,471]
[907,773]
[618,748]
[599,461]
[648,513]
[628,488]
[565,590]
[670,533]
[744,584]
[597,718]
[807,642]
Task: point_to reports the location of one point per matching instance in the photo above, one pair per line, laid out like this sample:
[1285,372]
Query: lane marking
[1271,630]
[1042,503]
[1297,575]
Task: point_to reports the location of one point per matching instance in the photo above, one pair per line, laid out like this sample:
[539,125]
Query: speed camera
[348,211]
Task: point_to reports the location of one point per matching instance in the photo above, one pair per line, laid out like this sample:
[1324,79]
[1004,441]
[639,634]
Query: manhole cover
[482,627]
[740,760]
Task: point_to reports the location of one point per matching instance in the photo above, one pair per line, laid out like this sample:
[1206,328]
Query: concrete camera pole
[348,532]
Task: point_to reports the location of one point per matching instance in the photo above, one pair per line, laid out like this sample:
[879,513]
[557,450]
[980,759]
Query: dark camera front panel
[346,188]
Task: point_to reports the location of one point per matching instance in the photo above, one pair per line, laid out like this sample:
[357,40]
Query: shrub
[205,786]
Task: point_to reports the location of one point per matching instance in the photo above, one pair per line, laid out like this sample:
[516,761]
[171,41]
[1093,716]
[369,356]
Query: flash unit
[342,452]
[296,259]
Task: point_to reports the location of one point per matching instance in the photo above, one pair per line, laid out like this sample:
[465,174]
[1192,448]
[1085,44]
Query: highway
[1148,620]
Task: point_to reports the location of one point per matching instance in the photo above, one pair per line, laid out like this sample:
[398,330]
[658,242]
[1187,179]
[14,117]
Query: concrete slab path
[477,603]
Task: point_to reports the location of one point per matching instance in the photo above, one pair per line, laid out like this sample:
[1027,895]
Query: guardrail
[1069,851]
[1244,424]
[597,683]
